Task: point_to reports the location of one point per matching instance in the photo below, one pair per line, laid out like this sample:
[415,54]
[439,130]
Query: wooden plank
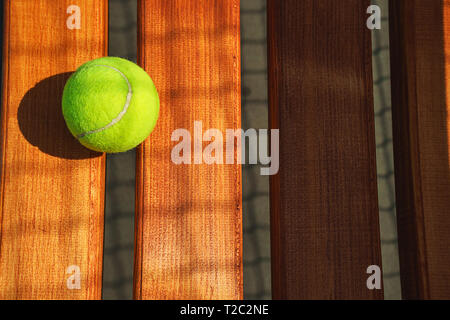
[52,188]
[420,55]
[188,217]
[324,208]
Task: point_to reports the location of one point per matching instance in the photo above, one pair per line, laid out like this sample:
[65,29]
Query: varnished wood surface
[324,209]
[52,188]
[420,63]
[188,217]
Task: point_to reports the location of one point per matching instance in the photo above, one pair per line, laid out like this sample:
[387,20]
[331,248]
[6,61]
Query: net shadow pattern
[385,157]
[256,213]
[119,210]
[256,189]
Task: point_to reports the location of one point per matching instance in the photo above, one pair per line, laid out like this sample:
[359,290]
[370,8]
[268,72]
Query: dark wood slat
[324,208]
[420,56]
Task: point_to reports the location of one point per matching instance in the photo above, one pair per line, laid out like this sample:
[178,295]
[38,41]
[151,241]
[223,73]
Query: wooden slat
[324,210]
[188,217]
[52,188]
[420,60]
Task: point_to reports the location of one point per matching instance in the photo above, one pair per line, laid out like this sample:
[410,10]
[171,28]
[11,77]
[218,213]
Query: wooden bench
[188,234]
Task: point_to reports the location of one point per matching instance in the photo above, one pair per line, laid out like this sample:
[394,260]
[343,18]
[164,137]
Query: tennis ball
[110,105]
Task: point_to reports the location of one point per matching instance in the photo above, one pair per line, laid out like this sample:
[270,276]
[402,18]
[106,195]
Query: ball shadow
[42,123]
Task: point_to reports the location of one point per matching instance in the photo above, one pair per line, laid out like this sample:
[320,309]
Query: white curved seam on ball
[121,114]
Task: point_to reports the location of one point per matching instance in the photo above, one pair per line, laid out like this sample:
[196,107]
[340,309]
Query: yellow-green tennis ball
[110,105]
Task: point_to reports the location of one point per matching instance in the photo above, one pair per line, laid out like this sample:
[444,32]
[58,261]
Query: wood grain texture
[324,208]
[188,217]
[420,63]
[52,188]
